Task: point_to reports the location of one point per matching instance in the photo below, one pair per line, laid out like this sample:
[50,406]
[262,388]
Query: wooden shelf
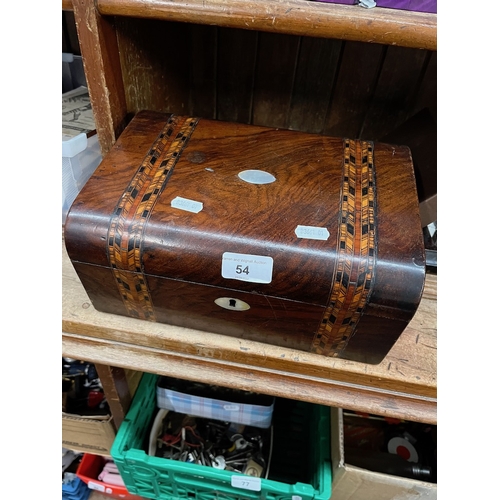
[295,17]
[402,386]
[122,59]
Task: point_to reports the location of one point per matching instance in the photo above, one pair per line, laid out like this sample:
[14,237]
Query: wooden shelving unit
[113,37]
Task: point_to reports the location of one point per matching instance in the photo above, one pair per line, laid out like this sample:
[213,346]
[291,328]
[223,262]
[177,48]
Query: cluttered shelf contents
[183,438]
[194,437]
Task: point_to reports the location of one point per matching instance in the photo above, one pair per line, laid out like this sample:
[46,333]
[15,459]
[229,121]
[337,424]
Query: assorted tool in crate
[220,427]
[269,448]
[222,445]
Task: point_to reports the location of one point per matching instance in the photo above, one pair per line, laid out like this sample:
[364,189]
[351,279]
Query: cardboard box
[88,434]
[355,483]
[94,434]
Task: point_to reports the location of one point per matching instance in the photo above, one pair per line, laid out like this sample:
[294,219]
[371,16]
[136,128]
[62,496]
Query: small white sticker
[246,482]
[231,407]
[187,205]
[312,233]
[296,497]
[243,267]
[95,486]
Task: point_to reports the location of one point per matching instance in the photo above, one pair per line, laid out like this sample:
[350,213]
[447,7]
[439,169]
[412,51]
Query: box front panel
[267,319]
[225,311]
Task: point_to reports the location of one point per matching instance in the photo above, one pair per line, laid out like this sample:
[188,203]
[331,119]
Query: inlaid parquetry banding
[354,273]
[133,211]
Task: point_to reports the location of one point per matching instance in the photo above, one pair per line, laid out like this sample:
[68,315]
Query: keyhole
[232,304]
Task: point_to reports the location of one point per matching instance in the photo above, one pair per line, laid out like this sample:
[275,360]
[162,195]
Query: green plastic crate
[304,424]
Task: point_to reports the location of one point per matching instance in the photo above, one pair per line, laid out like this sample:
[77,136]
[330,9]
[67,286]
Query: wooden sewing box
[298,240]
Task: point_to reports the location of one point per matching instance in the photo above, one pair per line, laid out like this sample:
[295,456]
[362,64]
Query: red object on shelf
[88,471]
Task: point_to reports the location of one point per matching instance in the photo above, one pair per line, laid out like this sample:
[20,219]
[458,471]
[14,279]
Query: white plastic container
[81,153]
[80,158]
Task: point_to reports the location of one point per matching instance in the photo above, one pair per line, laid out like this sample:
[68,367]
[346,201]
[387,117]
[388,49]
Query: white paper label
[246,482]
[312,233]
[95,486]
[187,205]
[296,497]
[231,407]
[243,267]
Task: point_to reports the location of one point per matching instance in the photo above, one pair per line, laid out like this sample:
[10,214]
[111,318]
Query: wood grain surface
[102,71]
[348,295]
[306,79]
[310,18]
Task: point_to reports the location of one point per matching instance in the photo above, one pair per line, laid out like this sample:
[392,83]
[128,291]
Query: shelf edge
[319,391]
[294,17]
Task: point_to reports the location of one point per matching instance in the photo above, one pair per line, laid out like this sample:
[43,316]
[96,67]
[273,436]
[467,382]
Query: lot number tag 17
[244,267]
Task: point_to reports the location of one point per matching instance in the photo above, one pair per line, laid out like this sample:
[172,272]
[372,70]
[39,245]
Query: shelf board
[295,17]
[402,386]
